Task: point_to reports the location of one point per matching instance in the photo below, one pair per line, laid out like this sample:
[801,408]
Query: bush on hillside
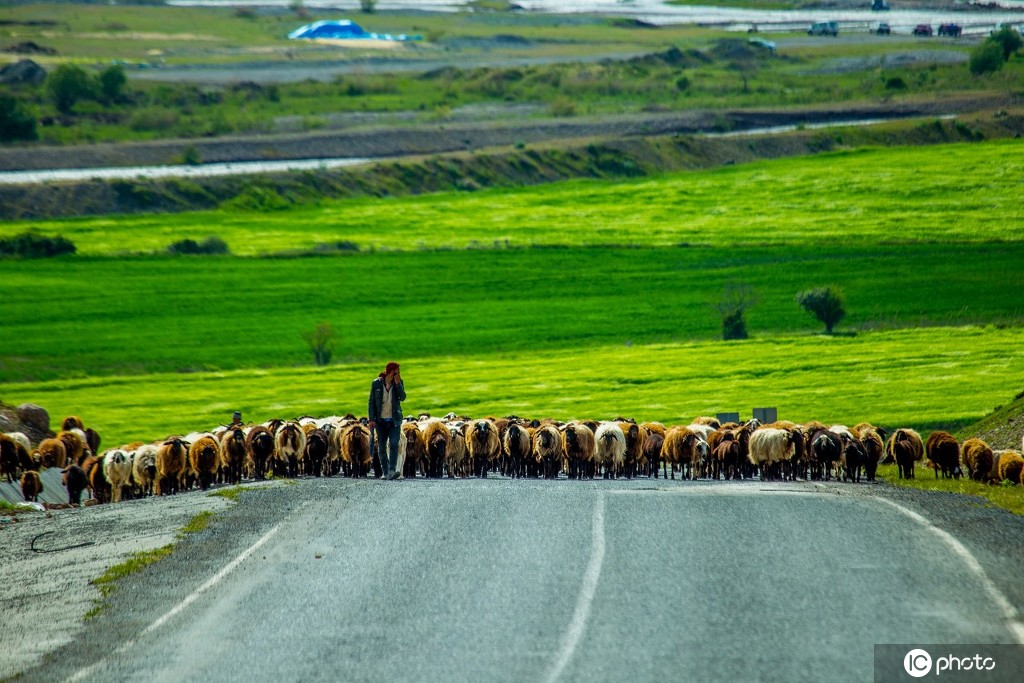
[33,245]
[189,247]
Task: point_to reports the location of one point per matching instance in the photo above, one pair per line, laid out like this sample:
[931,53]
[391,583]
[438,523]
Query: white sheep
[144,468]
[117,470]
[768,448]
[610,448]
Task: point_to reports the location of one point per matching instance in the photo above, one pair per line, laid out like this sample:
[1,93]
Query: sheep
[72,422]
[144,468]
[52,453]
[852,460]
[1011,466]
[770,446]
[259,449]
[355,448]
[712,422]
[547,451]
[31,486]
[825,450]
[317,446]
[944,452]
[92,439]
[289,449]
[415,451]
[482,445]
[611,449]
[635,435]
[74,445]
[977,456]
[874,449]
[101,488]
[117,470]
[171,457]
[906,448]
[437,437]
[727,457]
[651,450]
[518,446]
[457,462]
[650,465]
[204,459]
[232,453]
[9,464]
[23,450]
[682,449]
[579,447]
[75,481]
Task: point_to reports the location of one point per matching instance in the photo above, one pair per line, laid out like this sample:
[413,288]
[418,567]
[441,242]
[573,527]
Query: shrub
[33,245]
[736,299]
[67,84]
[189,247]
[112,82]
[16,122]
[563,106]
[682,84]
[986,58]
[257,199]
[825,304]
[895,83]
[367,6]
[191,156]
[321,342]
[1008,40]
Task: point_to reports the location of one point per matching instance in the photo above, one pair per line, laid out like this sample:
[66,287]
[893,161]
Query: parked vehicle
[951,30]
[824,28]
[882,28]
[922,30]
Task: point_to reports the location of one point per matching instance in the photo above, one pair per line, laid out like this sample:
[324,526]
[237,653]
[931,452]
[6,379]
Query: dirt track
[437,138]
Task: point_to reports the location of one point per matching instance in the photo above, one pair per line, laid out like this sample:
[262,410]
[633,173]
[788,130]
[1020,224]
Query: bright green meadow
[952,193]
[572,319]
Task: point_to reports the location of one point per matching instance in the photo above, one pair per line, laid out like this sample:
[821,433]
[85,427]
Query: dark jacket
[376,402]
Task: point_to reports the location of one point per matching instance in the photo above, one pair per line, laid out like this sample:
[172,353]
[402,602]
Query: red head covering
[390,367]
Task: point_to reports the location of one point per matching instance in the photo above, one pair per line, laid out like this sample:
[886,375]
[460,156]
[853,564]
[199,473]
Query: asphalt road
[504,580]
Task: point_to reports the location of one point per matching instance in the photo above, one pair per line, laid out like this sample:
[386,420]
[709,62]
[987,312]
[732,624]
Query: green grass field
[947,194]
[925,243]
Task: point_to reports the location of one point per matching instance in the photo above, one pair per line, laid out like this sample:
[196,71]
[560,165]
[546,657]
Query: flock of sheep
[463,447]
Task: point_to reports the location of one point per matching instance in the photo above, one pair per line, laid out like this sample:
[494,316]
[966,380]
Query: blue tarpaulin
[342,29]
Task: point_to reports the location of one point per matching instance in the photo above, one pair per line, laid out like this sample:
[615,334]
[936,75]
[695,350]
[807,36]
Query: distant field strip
[74,317]
[913,377]
[949,193]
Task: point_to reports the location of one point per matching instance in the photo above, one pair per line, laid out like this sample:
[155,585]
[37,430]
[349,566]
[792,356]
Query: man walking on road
[385,417]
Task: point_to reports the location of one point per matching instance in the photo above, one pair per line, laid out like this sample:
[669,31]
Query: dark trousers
[388,433]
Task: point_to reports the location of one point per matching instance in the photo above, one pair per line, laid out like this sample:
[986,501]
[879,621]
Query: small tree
[112,81]
[67,84]
[986,58]
[1008,40]
[367,6]
[321,342]
[736,299]
[825,304]
[16,121]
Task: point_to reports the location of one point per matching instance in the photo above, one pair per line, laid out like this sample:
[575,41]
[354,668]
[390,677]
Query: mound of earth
[1003,428]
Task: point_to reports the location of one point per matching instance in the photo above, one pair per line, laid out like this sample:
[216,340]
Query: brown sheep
[232,454]
[31,486]
[712,422]
[317,447]
[727,457]
[579,446]
[977,456]
[458,462]
[52,453]
[289,449]
[681,450]
[906,448]
[944,452]
[75,481]
[356,455]
[101,489]
[652,452]
[1011,465]
[482,445]
[547,451]
[259,449]
[204,459]
[171,459]
[72,422]
[635,435]
[874,449]
[415,451]
[437,438]
[74,446]
[518,447]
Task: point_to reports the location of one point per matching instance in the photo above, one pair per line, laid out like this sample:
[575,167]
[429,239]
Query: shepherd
[385,417]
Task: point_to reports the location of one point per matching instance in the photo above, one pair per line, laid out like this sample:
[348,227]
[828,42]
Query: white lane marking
[574,634]
[1010,613]
[86,671]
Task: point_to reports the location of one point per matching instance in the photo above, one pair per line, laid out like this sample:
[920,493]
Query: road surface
[503,580]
